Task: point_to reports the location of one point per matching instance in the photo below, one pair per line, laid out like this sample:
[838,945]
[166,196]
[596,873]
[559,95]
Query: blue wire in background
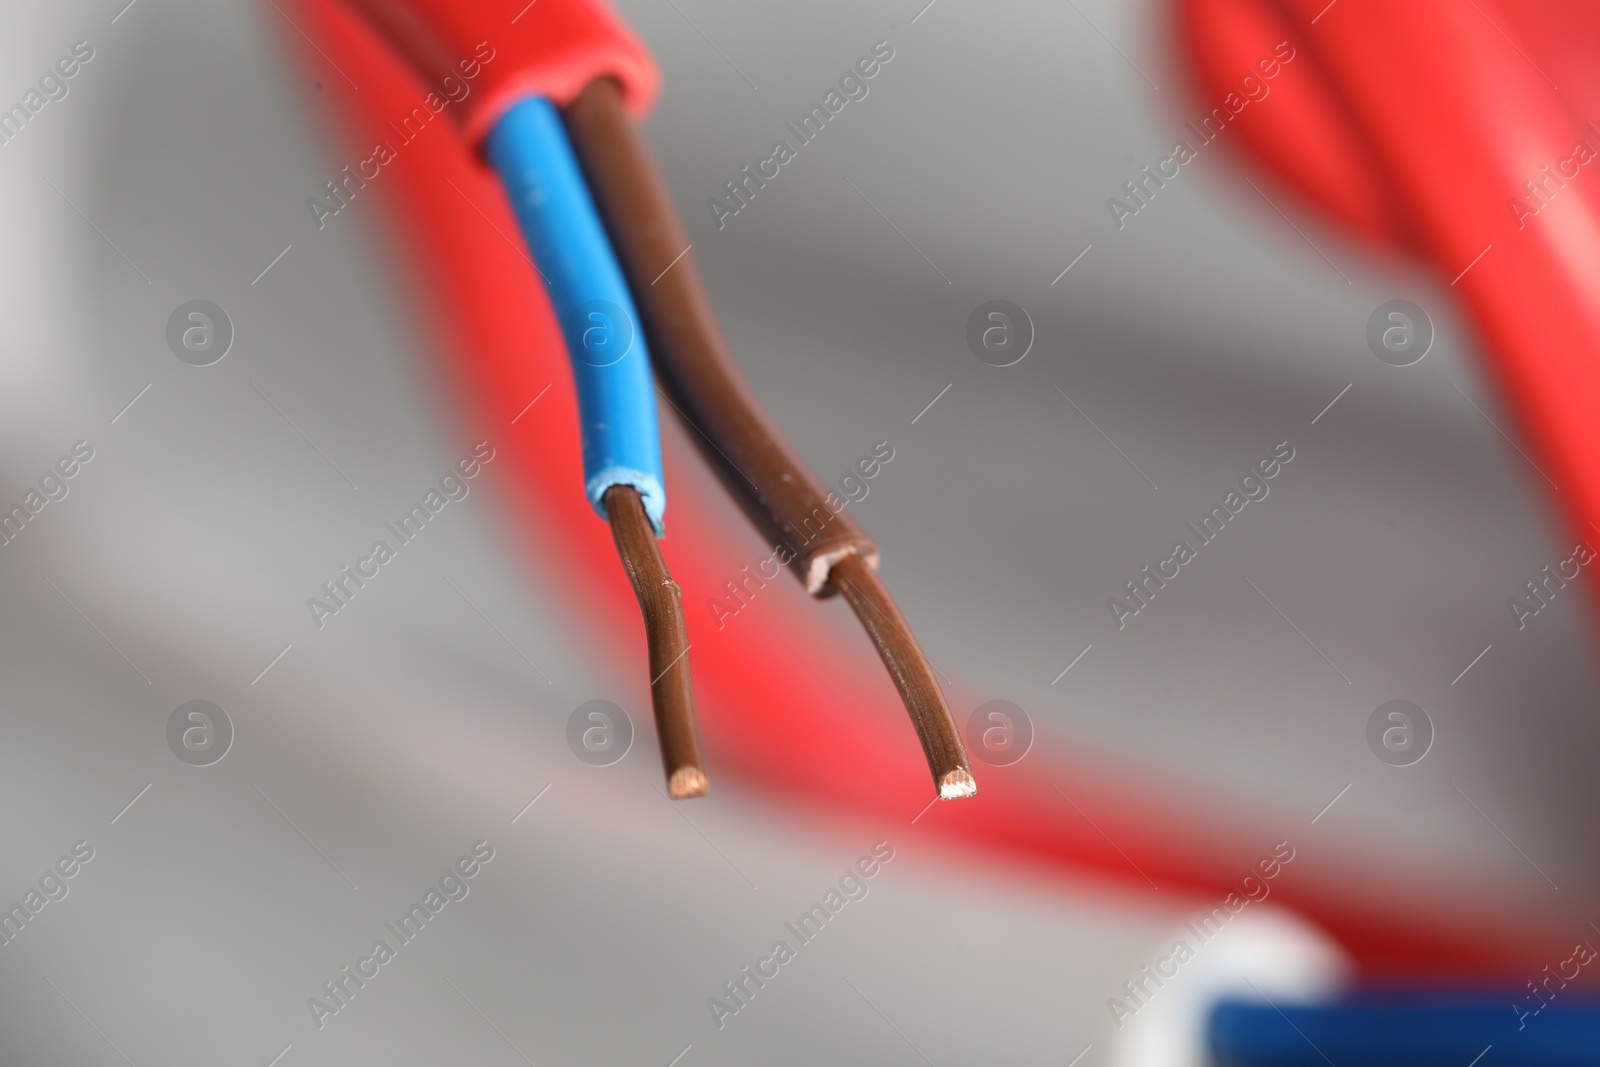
[529,149]
[1409,1029]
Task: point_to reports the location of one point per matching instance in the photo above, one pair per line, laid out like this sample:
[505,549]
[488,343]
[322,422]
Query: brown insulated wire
[668,641]
[912,675]
[784,500]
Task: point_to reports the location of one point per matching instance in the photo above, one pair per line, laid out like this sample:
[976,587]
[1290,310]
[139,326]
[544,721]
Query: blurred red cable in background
[1457,132]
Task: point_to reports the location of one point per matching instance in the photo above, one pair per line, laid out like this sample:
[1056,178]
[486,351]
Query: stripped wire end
[668,641]
[912,675]
[957,784]
[687,782]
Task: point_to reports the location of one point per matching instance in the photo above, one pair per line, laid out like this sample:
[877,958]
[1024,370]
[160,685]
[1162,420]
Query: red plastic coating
[548,48]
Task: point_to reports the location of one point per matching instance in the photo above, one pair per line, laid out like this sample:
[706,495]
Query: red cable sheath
[1416,124]
[548,48]
[787,687]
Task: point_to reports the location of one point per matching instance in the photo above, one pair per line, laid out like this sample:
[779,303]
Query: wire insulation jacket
[484,56]
[529,150]
[778,492]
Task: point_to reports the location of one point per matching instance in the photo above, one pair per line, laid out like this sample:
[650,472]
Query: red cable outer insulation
[548,48]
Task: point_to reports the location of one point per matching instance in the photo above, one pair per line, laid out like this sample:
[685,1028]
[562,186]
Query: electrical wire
[912,674]
[529,150]
[780,495]
[1446,1027]
[610,362]
[659,601]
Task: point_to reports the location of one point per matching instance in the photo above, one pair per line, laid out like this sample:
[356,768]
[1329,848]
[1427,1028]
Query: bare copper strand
[668,641]
[912,674]
[778,493]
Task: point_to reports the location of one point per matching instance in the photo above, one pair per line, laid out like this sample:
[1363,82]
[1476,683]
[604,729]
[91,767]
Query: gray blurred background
[375,752]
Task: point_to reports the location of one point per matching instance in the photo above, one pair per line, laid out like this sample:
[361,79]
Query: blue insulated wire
[529,149]
[1412,1029]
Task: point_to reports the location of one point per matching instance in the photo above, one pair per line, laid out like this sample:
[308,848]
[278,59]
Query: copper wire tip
[686,782]
[668,641]
[957,784]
